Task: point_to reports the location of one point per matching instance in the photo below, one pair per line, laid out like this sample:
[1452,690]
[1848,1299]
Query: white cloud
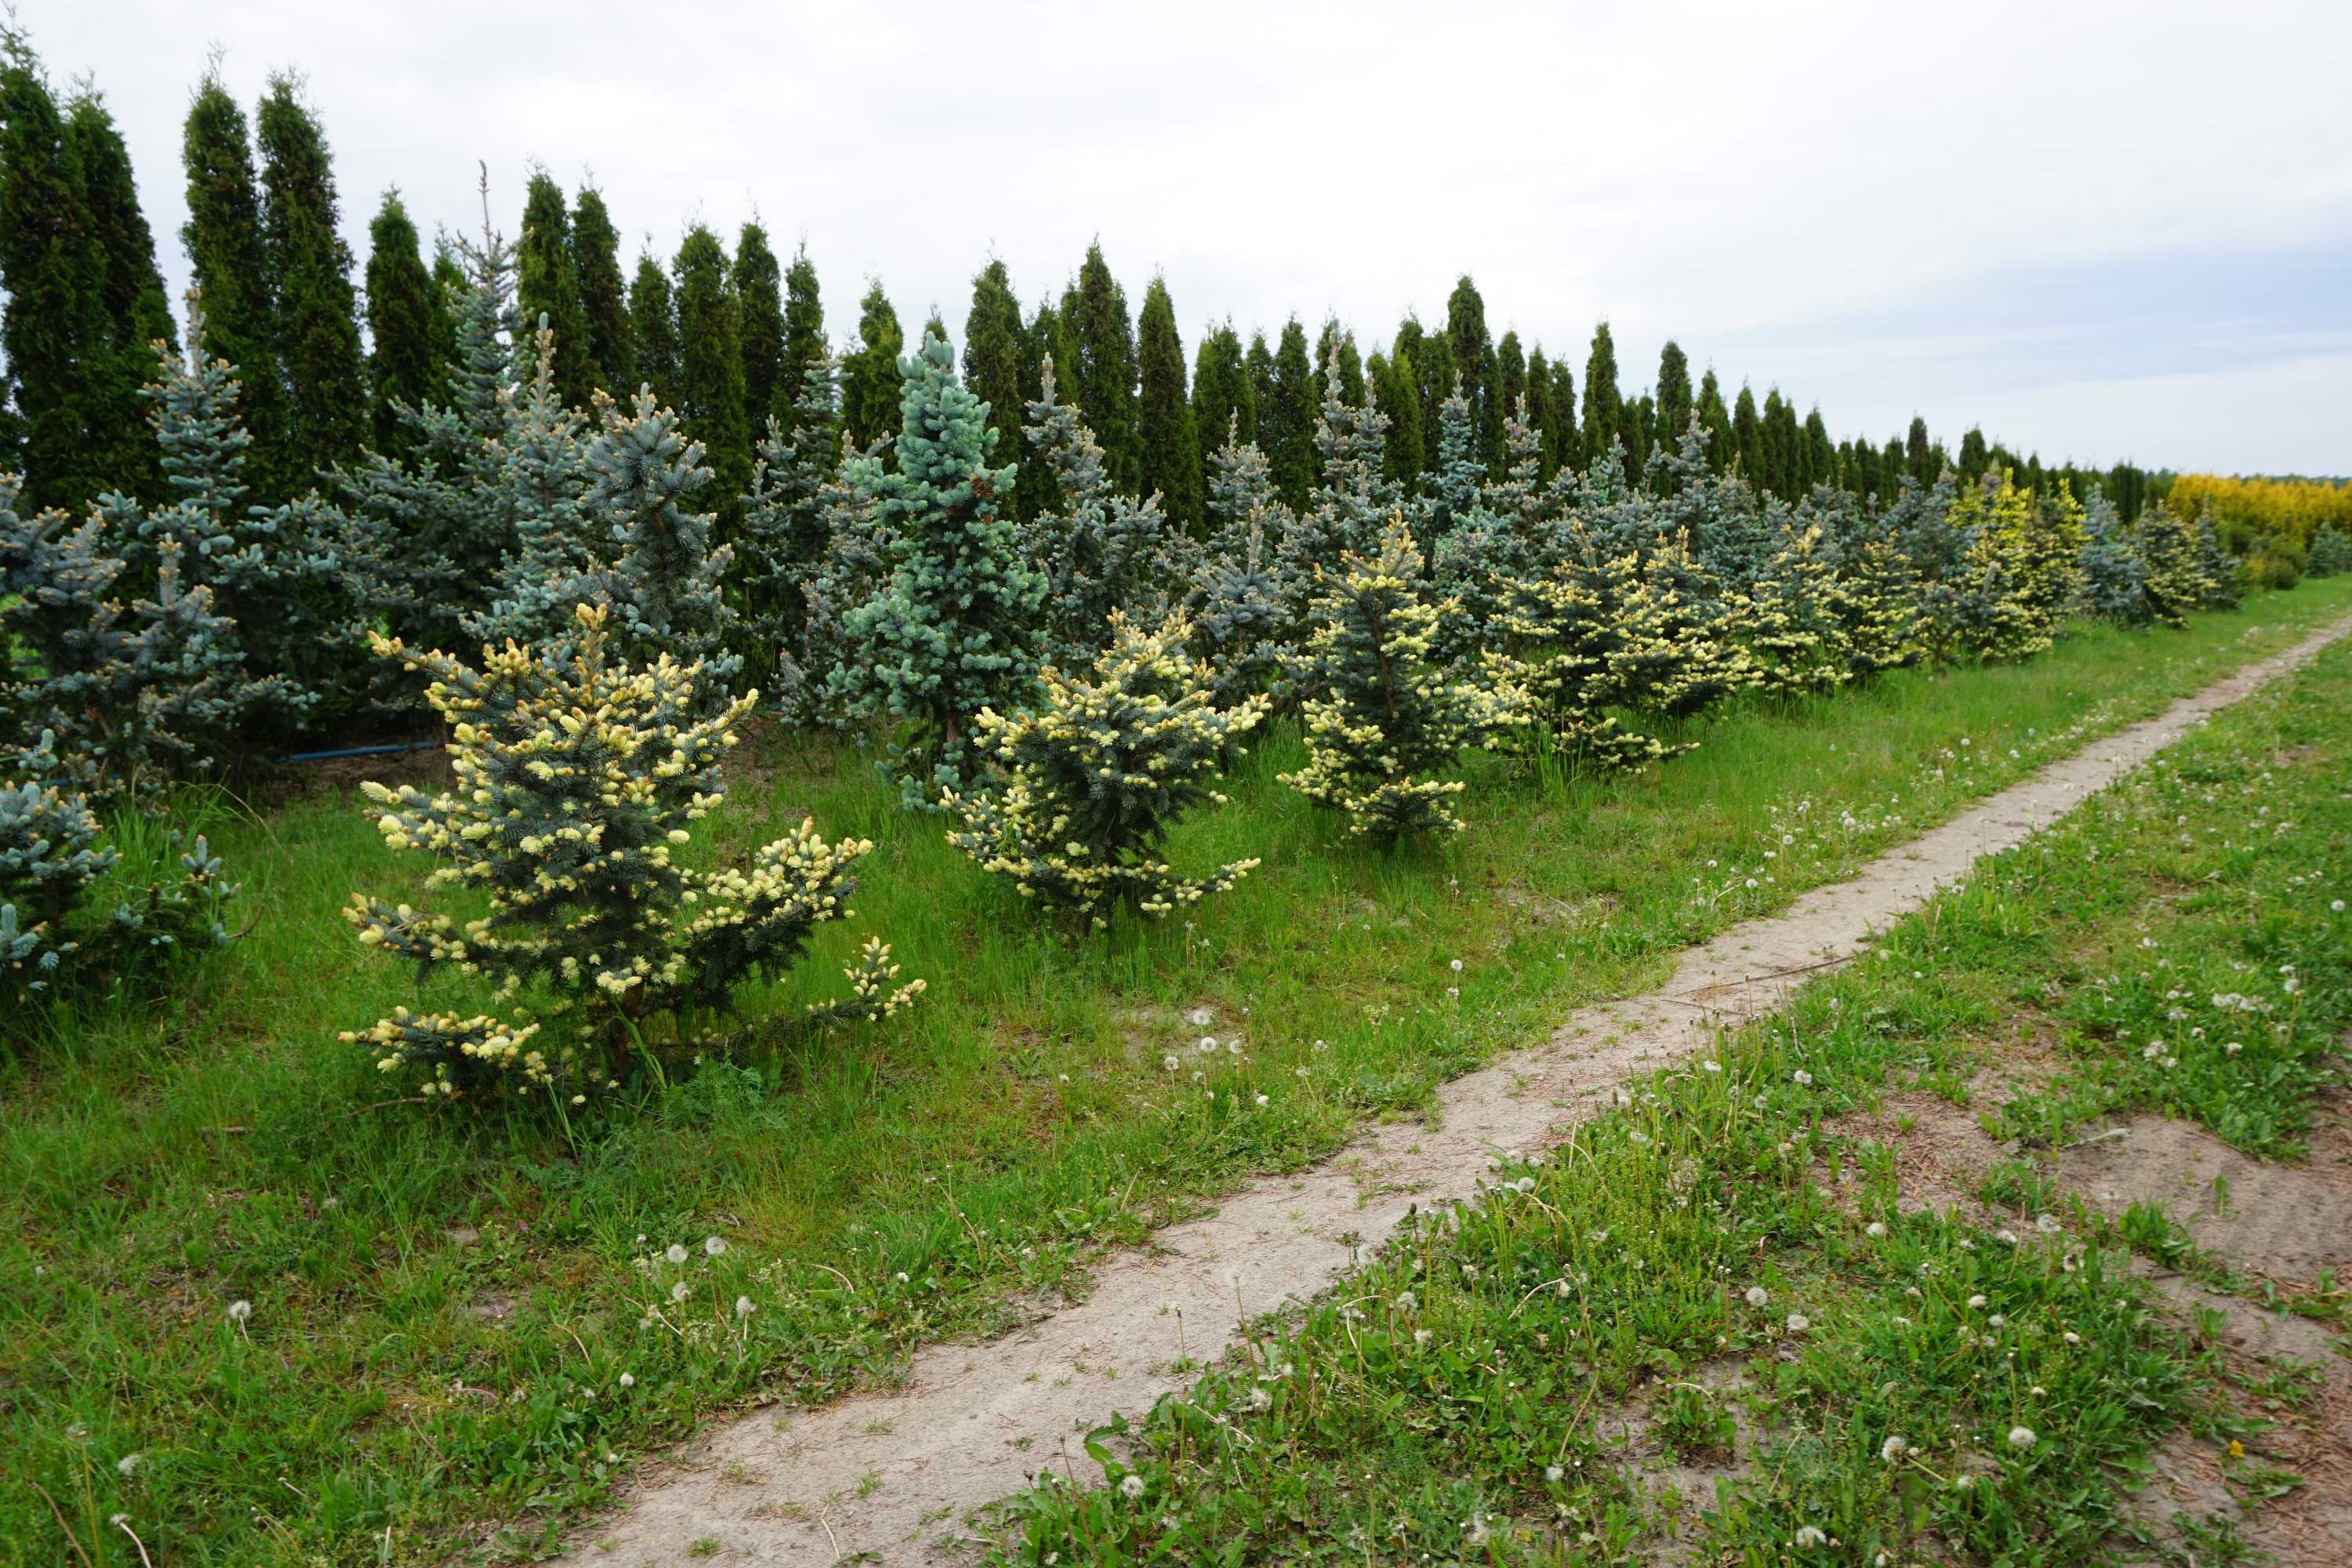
[1754,179]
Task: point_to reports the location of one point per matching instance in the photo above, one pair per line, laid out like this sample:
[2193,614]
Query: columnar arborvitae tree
[1393,394]
[710,368]
[310,279]
[992,358]
[405,367]
[1748,439]
[954,630]
[1604,405]
[1388,722]
[610,345]
[1222,399]
[547,286]
[1286,421]
[1783,447]
[1089,783]
[870,376]
[1563,444]
[1336,357]
[1101,380]
[1099,548]
[1918,455]
[1675,402]
[652,333]
[1821,455]
[1539,414]
[1508,392]
[65,372]
[804,340]
[1171,447]
[759,283]
[1465,331]
[130,295]
[575,782]
[1715,418]
[1431,354]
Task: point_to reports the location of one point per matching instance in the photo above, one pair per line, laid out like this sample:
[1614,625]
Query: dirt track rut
[892,1475]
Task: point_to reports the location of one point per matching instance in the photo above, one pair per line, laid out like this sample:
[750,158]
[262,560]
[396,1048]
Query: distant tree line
[328,353]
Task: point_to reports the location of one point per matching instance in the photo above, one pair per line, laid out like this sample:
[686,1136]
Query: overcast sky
[2100,230]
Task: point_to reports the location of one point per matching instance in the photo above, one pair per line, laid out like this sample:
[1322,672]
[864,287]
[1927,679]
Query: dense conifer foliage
[576,781]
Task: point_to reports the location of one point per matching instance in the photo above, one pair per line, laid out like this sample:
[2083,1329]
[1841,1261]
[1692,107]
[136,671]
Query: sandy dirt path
[890,1476]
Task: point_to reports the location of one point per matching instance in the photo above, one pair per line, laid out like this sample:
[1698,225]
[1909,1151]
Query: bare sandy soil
[890,1476]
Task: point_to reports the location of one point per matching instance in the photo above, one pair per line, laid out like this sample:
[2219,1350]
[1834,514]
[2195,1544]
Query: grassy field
[460,1328]
[1819,1371]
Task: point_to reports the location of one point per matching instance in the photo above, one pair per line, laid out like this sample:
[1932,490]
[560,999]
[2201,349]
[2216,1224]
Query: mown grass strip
[1718,1271]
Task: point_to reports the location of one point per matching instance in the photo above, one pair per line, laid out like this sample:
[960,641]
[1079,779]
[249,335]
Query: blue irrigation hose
[362,752]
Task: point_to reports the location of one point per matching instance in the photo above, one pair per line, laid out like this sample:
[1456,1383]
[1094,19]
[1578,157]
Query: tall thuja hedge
[547,285]
[1285,418]
[229,262]
[652,333]
[604,297]
[131,303]
[711,367]
[1224,406]
[406,322]
[1100,381]
[759,283]
[991,360]
[1170,444]
[73,382]
[870,372]
[316,313]
[955,629]
[1098,550]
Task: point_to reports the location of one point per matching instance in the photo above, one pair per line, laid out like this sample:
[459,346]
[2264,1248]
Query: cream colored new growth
[894,1474]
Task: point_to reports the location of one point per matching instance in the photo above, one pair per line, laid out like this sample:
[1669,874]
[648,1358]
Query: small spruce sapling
[574,785]
[1091,783]
[955,629]
[1387,716]
[2331,553]
[52,937]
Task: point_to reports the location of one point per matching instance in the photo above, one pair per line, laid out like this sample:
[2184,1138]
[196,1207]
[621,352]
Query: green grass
[444,1307]
[1910,1384]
